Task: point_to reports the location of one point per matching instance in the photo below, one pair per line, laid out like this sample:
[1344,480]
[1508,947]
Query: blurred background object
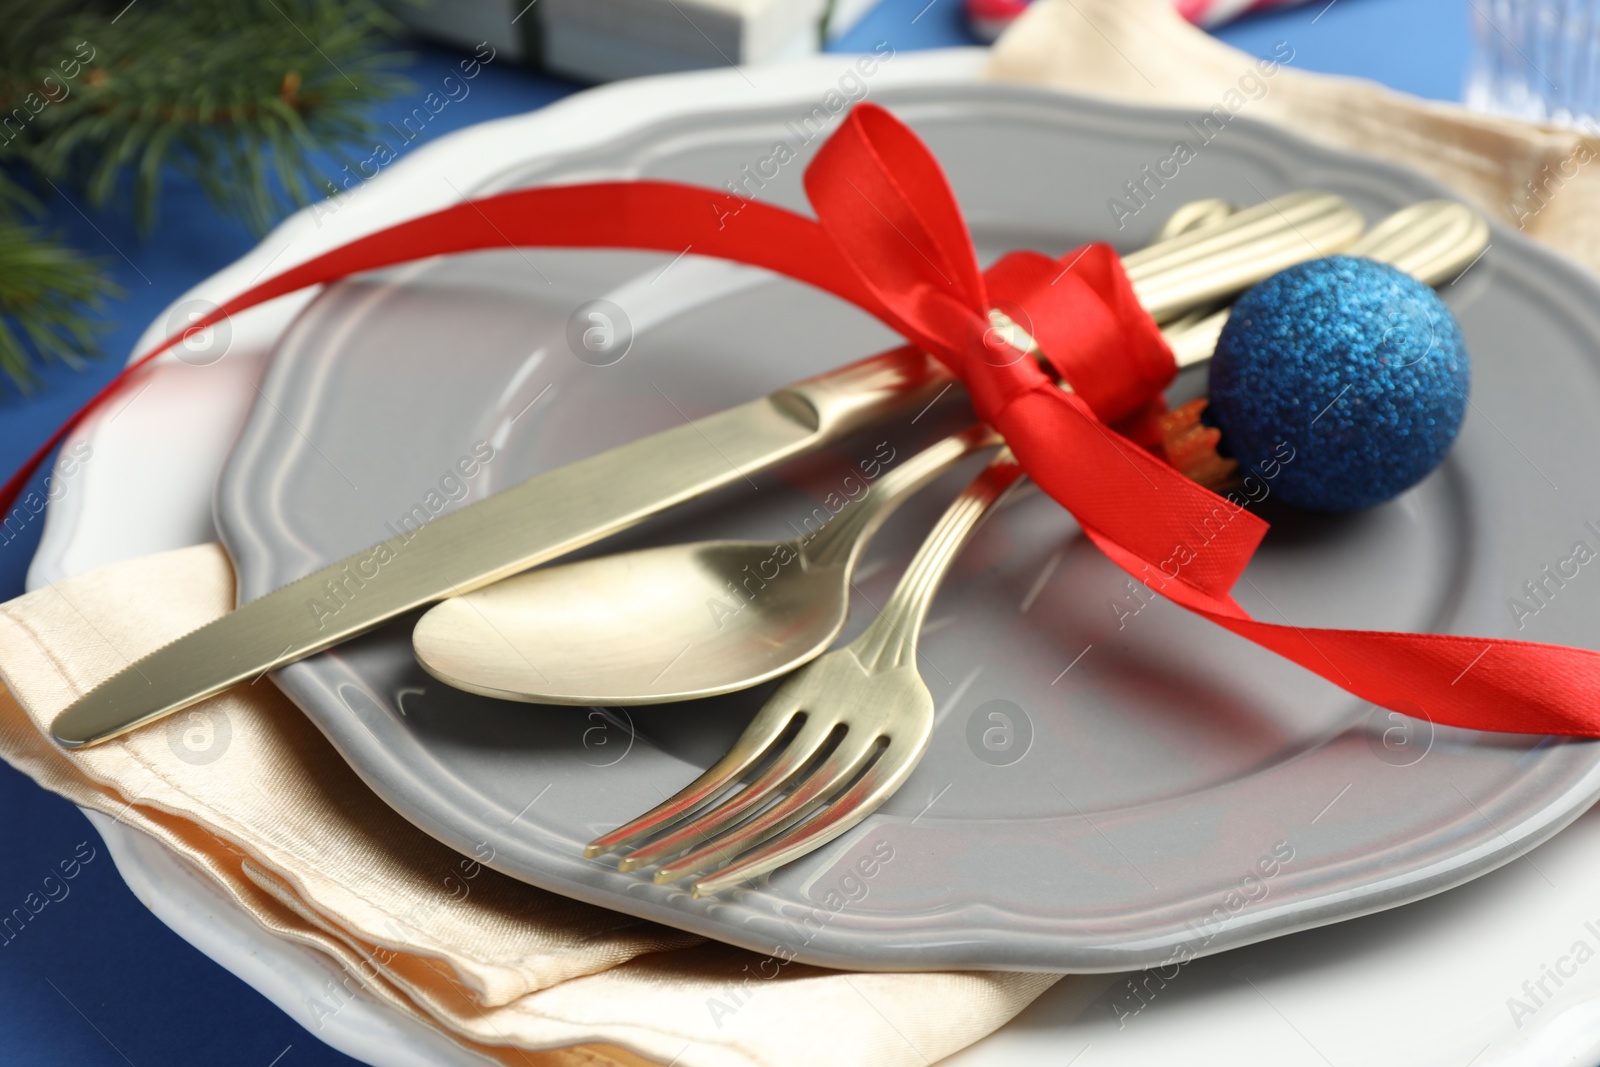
[1537,60]
[603,40]
[989,18]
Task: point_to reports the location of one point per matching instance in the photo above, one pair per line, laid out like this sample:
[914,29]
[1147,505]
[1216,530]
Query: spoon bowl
[673,623]
[652,626]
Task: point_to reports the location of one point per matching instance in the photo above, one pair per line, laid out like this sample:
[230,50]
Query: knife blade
[537,520]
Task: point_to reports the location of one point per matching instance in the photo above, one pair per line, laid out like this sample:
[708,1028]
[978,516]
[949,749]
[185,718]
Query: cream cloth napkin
[1542,179]
[285,828]
[281,825]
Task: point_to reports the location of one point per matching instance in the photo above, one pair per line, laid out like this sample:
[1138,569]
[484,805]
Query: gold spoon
[685,621]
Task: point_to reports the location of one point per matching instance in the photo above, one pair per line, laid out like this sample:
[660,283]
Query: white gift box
[603,40]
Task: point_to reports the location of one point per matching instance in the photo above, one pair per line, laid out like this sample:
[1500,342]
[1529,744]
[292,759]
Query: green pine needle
[45,287]
[254,100]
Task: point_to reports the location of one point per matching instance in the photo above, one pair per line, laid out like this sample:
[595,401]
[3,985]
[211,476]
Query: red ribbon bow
[889,238]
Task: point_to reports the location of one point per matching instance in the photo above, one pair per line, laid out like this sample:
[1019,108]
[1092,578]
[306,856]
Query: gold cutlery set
[845,728]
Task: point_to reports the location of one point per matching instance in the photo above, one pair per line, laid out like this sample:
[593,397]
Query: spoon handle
[844,537]
[1205,234]
[891,640]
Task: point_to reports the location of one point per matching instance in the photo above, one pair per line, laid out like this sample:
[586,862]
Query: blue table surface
[95,979]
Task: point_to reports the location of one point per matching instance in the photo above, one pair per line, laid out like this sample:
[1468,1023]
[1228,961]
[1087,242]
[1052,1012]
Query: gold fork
[859,752]
[847,730]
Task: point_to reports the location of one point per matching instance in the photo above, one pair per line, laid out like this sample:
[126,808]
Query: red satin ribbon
[889,238]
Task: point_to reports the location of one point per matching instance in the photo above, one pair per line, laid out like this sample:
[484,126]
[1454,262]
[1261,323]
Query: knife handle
[870,392]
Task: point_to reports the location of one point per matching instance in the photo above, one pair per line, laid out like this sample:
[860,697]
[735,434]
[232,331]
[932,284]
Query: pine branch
[254,100]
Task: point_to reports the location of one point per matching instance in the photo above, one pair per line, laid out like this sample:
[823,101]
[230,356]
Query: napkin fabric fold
[245,789]
[1534,178]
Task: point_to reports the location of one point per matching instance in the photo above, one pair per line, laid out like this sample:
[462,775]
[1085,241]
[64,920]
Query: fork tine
[841,766]
[855,804]
[758,738]
[712,820]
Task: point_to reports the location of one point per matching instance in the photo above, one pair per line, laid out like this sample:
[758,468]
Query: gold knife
[565,509]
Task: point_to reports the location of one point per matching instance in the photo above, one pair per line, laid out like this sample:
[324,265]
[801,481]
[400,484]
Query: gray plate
[1102,792]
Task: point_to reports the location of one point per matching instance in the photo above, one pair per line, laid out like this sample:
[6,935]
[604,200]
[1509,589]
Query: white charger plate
[1519,919]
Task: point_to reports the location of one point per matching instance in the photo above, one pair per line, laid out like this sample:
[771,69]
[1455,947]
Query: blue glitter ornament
[1354,368]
